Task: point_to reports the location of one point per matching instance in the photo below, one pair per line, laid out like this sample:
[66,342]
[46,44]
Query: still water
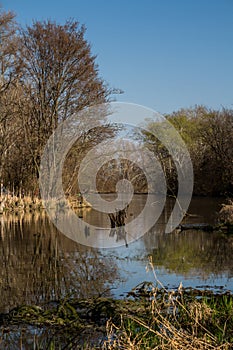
[39,264]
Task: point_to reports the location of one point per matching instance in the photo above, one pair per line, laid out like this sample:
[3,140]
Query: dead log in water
[226,228]
[201,226]
[117,222]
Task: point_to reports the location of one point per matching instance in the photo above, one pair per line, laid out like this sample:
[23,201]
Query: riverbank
[10,203]
[150,317]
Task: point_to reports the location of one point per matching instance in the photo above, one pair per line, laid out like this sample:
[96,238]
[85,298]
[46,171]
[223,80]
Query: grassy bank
[151,317]
[11,203]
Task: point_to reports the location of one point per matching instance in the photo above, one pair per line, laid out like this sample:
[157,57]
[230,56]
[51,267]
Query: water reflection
[194,253]
[40,264]
[95,230]
[196,258]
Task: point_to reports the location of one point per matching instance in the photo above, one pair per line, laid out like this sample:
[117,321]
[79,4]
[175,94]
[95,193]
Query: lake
[40,264]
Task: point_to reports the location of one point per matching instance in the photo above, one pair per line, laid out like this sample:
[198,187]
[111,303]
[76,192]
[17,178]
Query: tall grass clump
[162,319]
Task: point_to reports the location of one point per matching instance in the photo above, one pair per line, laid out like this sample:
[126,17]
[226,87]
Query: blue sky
[164,54]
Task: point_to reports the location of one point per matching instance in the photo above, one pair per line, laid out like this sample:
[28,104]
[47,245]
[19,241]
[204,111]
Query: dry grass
[173,324]
[226,213]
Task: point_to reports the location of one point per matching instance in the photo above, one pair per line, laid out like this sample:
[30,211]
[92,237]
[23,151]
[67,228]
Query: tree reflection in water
[40,264]
[193,253]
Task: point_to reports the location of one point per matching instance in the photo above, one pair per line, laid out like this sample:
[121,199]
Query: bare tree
[60,78]
[8,45]
[9,74]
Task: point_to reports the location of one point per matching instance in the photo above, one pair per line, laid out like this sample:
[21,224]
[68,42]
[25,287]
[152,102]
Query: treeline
[47,74]
[208,135]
